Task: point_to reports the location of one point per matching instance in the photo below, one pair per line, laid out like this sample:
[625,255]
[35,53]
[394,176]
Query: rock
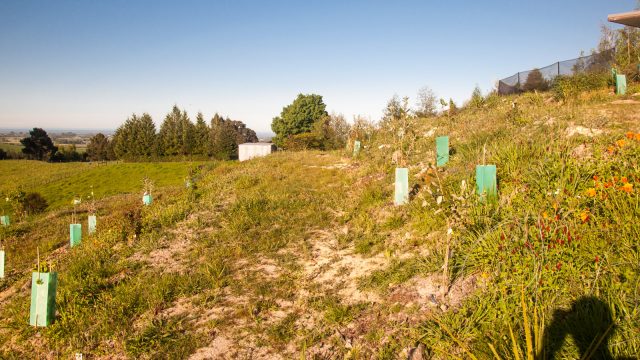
[416,353]
[581,130]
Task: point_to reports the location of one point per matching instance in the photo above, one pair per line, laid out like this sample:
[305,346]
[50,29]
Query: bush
[569,87]
[303,141]
[33,203]
[535,81]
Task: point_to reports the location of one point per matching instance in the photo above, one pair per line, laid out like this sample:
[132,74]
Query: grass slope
[304,254]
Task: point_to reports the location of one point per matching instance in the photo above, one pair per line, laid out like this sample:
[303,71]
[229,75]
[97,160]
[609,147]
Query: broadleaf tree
[298,117]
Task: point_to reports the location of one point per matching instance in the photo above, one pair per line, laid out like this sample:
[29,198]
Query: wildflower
[624,180]
[591,192]
[621,142]
[611,149]
[597,259]
[629,134]
[545,215]
[558,266]
[608,184]
[627,187]
[584,215]
[637,137]
[596,178]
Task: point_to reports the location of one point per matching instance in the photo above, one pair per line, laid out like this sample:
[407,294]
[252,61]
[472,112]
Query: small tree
[427,103]
[477,100]
[38,145]
[535,81]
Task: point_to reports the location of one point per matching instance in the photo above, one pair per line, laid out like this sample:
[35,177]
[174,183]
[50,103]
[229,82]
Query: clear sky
[90,64]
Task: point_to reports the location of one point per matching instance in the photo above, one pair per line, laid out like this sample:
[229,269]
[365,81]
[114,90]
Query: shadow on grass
[590,325]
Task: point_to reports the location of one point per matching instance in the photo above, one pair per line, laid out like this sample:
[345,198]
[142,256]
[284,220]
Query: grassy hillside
[59,183]
[304,255]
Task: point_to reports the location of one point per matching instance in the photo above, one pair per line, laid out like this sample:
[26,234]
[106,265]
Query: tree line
[137,139]
[178,136]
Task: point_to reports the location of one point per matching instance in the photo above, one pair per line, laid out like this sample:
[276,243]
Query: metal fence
[539,78]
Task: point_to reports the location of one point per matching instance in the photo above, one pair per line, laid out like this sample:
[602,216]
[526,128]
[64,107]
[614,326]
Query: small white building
[248,151]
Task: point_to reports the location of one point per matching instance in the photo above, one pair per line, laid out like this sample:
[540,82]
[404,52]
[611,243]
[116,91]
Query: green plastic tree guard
[621,84]
[91,222]
[486,183]
[442,150]
[1,264]
[43,298]
[402,186]
[75,234]
[4,220]
[356,147]
[147,199]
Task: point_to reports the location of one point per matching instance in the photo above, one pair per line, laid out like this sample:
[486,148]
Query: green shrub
[33,203]
[569,87]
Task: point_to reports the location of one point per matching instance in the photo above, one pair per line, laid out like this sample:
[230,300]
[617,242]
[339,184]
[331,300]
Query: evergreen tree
[201,135]
[177,133]
[136,138]
[38,145]
[146,137]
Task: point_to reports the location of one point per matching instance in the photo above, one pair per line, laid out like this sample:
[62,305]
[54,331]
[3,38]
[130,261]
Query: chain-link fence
[539,79]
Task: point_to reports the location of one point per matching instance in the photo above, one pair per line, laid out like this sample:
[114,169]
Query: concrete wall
[250,150]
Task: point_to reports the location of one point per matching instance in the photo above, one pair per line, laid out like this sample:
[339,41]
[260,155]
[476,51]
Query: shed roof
[631,18]
[257,144]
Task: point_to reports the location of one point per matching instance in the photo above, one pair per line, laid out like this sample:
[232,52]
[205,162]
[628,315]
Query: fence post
[558,68]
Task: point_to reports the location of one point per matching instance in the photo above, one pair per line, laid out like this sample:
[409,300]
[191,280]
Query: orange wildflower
[628,188]
[621,142]
[629,134]
[595,178]
[611,149]
[591,192]
[584,215]
[637,136]
[624,180]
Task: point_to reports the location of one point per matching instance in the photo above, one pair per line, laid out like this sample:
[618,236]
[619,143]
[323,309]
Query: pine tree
[177,133]
[146,137]
[136,138]
[201,136]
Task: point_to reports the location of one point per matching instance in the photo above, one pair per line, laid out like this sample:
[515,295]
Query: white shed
[248,151]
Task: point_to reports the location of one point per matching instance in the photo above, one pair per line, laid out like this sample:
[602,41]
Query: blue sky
[90,64]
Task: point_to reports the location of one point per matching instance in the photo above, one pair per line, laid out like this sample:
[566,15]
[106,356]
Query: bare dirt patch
[339,269]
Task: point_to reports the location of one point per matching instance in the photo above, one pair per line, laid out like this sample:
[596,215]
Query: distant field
[59,183]
[10,147]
